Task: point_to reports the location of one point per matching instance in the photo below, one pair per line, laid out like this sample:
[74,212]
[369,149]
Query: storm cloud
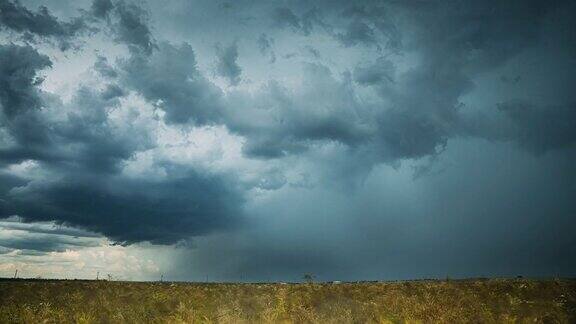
[169,77]
[227,66]
[352,140]
[41,24]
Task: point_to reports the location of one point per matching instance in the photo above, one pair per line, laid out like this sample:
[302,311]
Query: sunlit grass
[478,301]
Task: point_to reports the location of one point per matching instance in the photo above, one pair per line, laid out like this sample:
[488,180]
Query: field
[443,301]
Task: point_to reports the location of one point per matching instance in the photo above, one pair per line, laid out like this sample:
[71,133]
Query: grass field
[453,301]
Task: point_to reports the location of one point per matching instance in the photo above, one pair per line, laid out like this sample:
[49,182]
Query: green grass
[454,301]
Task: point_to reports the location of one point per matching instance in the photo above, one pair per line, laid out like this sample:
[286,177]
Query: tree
[308,277]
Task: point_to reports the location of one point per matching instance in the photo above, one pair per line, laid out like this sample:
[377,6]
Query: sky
[263,140]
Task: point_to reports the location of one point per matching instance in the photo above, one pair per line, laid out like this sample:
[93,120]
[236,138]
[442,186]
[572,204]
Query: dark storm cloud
[131,210]
[378,72]
[541,129]
[86,191]
[128,21]
[45,228]
[86,150]
[293,124]
[284,17]
[101,8]
[9,181]
[388,229]
[42,238]
[369,25]
[86,140]
[89,141]
[81,157]
[400,86]
[227,65]
[170,78]
[44,243]
[20,102]
[425,108]
[132,27]
[357,32]
[19,67]
[15,16]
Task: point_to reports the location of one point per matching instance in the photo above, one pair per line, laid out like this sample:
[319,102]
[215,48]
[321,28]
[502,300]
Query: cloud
[381,71]
[83,187]
[90,141]
[128,22]
[541,129]
[357,32]
[77,150]
[101,8]
[35,243]
[227,65]
[128,210]
[52,251]
[370,25]
[402,128]
[132,27]
[16,17]
[19,67]
[112,91]
[15,223]
[20,102]
[284,17]
[170,79]
[104,68]
[265,45]
[278,122]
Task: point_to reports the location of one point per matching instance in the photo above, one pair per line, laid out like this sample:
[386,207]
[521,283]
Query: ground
[422,301]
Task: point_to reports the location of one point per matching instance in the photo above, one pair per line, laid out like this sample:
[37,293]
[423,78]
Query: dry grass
[463,301]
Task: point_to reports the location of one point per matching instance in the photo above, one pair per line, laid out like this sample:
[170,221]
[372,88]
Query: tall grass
[460,301]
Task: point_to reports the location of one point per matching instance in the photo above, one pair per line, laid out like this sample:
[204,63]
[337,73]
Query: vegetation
[450,301]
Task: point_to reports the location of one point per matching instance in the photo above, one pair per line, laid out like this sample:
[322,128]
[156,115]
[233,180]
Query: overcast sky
[262,140]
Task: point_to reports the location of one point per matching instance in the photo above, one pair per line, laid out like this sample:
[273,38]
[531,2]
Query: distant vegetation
[450,301]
